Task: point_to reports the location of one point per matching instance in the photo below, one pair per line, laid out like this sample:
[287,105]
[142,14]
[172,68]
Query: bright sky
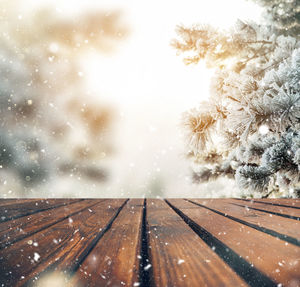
[151,87]
[146,67]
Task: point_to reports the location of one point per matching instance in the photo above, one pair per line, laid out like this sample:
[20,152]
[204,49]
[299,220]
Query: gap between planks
[280,265]
[70,250]
[283,211]
[144,275]
[14,210]
[281,228]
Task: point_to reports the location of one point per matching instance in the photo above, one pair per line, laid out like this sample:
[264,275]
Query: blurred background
[92,93]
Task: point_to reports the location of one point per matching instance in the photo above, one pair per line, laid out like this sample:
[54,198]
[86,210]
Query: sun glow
[145,67]
[150,86]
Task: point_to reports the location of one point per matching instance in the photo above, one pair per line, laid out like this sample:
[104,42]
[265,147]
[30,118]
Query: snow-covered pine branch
[252,117]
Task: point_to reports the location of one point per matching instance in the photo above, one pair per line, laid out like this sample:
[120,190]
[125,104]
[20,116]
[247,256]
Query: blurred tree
[249,128]
[49,124]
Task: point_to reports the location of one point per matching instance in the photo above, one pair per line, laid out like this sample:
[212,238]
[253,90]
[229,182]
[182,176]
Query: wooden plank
[14,230]
[65,243]
[178,256]
[114,261]
[288,202]
[9,201]
[16,210]
[275,225]
[280,210]
[275,258]
[36,201]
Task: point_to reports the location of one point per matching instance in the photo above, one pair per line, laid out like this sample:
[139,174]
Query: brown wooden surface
[9,201]
[24,207]
[277,201]
[64,244]
[281,210]
[137,242]
[117,253]
[273,224]
[177,254]
[14,230]
[274,258]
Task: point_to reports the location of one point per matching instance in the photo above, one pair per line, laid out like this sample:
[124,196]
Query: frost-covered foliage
[249,128]
[49,124]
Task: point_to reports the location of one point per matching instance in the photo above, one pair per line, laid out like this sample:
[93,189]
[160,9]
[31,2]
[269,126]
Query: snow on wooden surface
[149,242]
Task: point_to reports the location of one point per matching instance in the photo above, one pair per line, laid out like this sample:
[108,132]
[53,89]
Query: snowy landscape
[97,99]
[150,143]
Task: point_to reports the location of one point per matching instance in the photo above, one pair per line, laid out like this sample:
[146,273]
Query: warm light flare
[95,62]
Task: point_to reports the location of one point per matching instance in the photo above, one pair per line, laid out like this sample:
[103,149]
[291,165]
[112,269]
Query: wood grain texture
[288,202]
[115,259]
[275,258]
[62,246]
[261,220]
[179,257]
[14,230]
[288,212]
[9,201]
[173,242]
[14,210]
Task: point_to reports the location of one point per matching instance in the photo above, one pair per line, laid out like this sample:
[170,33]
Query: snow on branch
[252,117]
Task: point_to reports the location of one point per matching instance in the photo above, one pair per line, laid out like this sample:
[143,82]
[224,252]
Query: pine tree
[249,127]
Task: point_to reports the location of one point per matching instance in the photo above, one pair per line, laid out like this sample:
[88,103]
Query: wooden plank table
[150,242]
